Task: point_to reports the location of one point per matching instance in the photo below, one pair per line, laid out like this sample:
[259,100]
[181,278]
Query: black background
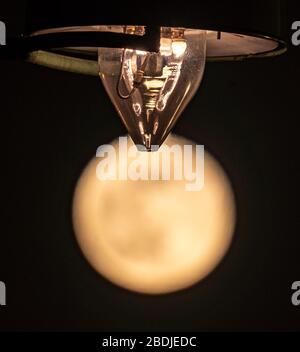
[245,113]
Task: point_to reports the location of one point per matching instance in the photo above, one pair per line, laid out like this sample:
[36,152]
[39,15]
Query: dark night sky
[245,113]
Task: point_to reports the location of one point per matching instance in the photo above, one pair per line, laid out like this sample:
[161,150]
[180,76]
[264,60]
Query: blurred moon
[154,237]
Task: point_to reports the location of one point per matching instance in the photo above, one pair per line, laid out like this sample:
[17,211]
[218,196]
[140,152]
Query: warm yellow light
[179,47]
[154,236]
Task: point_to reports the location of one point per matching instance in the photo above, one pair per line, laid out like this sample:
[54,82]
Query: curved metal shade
[81,55]
[64,37]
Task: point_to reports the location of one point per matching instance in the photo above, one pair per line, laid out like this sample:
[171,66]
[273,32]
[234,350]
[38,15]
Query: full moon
[154,237]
